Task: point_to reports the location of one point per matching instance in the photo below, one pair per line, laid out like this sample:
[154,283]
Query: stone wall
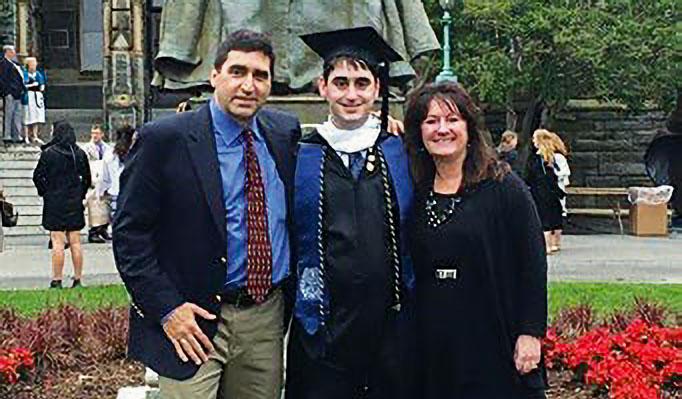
[8,27]
[607,144]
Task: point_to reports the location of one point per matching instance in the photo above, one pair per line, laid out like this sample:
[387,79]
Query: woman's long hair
[481,160]
[548,143]
[124,140]
[63,136]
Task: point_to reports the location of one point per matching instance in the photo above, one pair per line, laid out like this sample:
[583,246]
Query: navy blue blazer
[11,81]
[169,236]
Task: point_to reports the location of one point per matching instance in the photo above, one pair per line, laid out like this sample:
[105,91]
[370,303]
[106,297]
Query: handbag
[9,217]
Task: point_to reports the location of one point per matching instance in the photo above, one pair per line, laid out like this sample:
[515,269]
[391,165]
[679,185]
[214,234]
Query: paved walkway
[583,258]
[28,266]
[618,258]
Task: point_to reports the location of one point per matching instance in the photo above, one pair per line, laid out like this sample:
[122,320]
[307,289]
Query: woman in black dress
[62,178]
[479,256]
[544,186]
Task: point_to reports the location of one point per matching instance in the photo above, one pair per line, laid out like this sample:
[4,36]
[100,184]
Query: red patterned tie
[259,251]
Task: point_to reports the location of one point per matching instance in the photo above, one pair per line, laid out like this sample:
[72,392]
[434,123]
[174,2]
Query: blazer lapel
[202,148]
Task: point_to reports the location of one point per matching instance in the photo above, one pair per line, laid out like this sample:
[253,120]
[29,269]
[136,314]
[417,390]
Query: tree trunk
[674,123]
[531,122]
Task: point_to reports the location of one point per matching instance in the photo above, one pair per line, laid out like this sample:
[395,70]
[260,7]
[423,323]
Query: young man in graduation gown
[352,331]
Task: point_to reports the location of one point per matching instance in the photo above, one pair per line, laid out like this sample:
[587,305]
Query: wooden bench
[598,191]
[616,211]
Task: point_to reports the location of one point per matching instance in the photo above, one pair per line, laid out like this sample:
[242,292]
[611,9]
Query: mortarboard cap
[364,43]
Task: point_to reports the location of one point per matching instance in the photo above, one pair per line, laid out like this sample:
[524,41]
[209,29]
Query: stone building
[66,36]
[97,55]
[91,50]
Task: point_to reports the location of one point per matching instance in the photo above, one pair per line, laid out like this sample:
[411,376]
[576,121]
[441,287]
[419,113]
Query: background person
[544,186]
[12,78]
[113,167]
[507,150]
[563,174]
[478,253]
[62,178]
[2,233]
[34,112]
[99,213]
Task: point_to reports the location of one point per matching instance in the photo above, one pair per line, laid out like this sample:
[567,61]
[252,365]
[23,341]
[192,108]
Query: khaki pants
[248,359]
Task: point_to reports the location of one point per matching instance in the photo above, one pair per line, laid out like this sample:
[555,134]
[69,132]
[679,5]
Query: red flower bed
[640,361]
[15,363]
[59,340]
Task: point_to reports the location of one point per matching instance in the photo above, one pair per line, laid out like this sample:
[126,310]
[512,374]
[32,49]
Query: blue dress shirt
[230,148]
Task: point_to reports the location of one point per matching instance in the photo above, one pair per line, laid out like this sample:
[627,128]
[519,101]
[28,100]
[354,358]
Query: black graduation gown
[544,187]
[366,341]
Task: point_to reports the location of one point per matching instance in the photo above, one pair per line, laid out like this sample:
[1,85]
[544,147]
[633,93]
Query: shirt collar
[228,127]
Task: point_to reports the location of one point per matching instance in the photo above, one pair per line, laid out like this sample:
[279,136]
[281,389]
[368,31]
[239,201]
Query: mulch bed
[563,386]
[103,382]
[97,382]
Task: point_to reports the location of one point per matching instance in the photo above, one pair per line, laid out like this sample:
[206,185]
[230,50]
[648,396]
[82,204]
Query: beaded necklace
[437,218]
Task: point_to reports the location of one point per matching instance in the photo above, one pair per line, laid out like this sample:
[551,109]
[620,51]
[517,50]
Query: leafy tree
[546,52]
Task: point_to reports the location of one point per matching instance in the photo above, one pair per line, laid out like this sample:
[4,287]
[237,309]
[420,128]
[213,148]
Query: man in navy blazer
[203,216]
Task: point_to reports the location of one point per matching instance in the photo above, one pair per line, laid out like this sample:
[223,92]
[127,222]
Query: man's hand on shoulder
[182,329]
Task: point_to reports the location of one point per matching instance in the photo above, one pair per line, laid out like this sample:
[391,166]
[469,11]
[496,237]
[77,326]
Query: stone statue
[191,30]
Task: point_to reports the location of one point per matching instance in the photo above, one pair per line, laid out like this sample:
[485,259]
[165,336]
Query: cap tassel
[384,72]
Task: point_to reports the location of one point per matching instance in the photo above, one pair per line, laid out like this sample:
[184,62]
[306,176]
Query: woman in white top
[562,172]
[34,117]
[113,166]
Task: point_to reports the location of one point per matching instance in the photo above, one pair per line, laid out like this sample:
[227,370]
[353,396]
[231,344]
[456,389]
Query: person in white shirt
[113,166]
[563,173]
[98,209]
[34,100]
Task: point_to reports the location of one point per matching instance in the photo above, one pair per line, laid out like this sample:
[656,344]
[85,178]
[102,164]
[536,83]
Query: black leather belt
[240,298]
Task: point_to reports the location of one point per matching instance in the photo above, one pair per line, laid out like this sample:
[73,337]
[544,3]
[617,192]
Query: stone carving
[8,22]
[192,29]
[124,75]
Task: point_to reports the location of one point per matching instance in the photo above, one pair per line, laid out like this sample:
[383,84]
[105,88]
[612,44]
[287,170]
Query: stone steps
[17,182]
[11,164]
[10,173]
[26,200]
[15,192]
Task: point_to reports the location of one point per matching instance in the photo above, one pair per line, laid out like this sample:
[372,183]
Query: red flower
[632,364]
[13,363]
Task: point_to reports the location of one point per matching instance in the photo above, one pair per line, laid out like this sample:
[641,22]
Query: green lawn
[605,298]
[32,302]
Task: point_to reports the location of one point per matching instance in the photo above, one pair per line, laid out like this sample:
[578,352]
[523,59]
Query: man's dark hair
[356,62]
[247,41]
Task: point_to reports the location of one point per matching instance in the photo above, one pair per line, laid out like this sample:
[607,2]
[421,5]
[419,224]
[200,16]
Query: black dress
[545,189]
[367,344]
[481,282]
[62,178]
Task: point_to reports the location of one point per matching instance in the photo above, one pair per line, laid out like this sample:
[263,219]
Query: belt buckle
[446,274]
[243,298]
